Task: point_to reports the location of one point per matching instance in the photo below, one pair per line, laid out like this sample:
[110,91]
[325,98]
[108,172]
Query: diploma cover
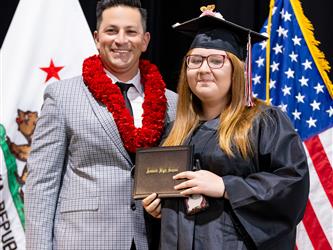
[154,168]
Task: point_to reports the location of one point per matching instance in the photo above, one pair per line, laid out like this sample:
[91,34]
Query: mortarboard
[211,31]
[214,32]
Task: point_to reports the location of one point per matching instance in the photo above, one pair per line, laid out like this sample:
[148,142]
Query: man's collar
[136,80]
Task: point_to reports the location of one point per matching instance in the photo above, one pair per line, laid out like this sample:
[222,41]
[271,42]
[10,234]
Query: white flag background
[47,41]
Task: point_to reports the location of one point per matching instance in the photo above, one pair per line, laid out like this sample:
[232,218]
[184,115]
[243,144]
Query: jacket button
[133,206]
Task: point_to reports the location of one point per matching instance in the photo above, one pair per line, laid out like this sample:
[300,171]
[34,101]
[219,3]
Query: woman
[253,173]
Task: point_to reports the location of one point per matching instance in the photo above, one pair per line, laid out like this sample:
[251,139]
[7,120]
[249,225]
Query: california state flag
[46,41]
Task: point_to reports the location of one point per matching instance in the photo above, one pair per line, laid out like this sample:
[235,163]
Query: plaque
[155,167]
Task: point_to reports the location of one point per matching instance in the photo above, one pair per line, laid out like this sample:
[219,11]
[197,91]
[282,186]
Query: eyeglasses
[214,61]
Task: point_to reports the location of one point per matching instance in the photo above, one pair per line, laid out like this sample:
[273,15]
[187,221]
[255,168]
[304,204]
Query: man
[78,190]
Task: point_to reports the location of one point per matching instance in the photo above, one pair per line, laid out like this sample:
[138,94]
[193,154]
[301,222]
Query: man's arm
[45,166]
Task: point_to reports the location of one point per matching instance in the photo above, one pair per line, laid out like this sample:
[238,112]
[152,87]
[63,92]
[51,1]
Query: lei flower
[154,105]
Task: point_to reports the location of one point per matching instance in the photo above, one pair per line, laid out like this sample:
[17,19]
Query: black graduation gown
[267,193]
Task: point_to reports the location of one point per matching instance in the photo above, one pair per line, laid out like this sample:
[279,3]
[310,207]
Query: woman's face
[210,82]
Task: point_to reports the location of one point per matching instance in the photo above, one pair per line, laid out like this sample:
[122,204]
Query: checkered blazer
[78,190]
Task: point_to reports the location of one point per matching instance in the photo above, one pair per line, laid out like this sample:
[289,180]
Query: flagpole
[268,48]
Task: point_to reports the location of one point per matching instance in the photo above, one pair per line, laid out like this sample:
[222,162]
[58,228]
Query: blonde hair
[235,121]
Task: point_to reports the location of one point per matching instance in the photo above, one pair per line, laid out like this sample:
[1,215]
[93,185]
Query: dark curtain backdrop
[168,47]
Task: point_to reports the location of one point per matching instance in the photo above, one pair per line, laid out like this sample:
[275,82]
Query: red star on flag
[52,71]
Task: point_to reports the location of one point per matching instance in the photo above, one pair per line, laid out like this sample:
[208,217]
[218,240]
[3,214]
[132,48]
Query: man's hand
[152,204]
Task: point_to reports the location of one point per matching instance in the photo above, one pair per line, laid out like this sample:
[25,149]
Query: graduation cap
[211,31]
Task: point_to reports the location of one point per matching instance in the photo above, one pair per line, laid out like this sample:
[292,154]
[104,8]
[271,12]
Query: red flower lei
[154,106]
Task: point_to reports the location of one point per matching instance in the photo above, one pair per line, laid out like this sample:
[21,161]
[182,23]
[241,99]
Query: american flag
[295,79]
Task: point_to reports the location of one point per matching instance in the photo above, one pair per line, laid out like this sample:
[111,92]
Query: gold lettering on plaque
[151,171]
[172,170]
[161,170]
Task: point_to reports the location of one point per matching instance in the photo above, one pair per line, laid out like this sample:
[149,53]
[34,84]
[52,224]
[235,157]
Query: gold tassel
[317,55]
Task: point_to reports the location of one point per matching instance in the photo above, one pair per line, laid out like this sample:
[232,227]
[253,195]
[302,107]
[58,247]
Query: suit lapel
[106,119]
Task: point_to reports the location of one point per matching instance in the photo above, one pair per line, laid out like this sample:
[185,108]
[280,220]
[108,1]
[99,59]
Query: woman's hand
[152,204]
[200,182]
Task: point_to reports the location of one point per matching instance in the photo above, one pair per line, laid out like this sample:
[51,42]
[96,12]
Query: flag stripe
[326,139]
[319,201]
[302,238]
[321,164]
[314,229]
[11,170]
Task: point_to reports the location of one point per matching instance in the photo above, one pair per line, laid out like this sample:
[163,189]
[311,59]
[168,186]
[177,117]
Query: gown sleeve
[271,202]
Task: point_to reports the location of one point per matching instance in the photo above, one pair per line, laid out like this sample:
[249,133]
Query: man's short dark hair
[105,4]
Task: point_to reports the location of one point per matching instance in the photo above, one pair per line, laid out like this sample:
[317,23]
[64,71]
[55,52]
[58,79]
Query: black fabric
[153,228]
[219,39]
[267,192]
[132,156]
[133,247]
[124,87]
